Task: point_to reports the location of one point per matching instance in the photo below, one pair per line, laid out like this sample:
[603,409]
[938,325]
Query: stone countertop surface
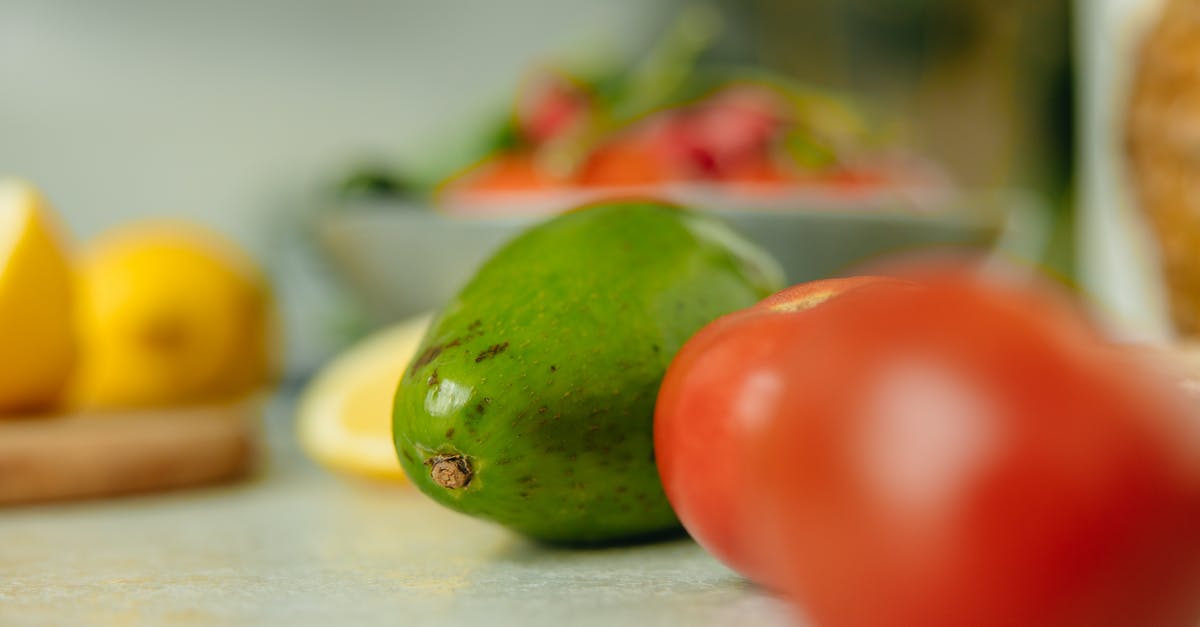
[295,545]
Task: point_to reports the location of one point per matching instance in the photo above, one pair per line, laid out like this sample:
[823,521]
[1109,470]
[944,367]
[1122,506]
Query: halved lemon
[345,413]
[37,343]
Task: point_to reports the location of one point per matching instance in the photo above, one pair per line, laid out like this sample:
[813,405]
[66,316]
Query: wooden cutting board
[71,457]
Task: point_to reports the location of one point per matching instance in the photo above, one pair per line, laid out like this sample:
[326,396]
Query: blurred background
[330,173]
[243,116]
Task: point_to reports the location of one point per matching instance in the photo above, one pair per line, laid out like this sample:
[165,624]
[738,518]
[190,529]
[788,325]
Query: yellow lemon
[169,314]
[37,345]
[345,414]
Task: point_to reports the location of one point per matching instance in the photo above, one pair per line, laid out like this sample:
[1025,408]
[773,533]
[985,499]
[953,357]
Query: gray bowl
[402,259]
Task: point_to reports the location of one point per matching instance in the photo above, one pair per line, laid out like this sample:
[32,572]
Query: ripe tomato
[961,453]
[626,161]
[713,399]
[550,105]
[503,172]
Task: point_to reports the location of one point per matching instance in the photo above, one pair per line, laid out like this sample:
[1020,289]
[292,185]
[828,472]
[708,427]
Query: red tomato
[626,161]
[549,105]
[701,419]
[503,172]
[960,453]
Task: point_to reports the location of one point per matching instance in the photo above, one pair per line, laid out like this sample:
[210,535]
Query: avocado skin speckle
[548,363]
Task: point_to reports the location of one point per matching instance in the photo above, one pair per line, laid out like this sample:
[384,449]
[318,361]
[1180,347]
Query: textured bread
[1163,142]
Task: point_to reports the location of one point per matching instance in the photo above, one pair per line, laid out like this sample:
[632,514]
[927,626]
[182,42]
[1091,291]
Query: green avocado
[531,399]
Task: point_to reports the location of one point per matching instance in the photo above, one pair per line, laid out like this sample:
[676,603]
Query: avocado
[531,399]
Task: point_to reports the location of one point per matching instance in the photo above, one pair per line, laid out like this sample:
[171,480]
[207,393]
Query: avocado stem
[450,471]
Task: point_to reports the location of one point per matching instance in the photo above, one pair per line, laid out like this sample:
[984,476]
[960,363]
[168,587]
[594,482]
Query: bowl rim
[982,208]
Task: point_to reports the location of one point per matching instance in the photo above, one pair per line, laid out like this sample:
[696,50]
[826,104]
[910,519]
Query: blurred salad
[665,126]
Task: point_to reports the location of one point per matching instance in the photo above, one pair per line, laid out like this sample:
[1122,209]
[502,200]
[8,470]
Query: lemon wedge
[37,347]
[345,414]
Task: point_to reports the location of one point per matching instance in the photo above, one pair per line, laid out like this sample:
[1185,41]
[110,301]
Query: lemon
[37,347]
[345,413]
[169,314]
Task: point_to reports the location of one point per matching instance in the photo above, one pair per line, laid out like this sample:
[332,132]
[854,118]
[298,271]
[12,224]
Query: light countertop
[298,546]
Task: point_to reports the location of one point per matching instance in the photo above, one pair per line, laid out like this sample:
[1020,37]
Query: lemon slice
[345,413]
[37,347]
